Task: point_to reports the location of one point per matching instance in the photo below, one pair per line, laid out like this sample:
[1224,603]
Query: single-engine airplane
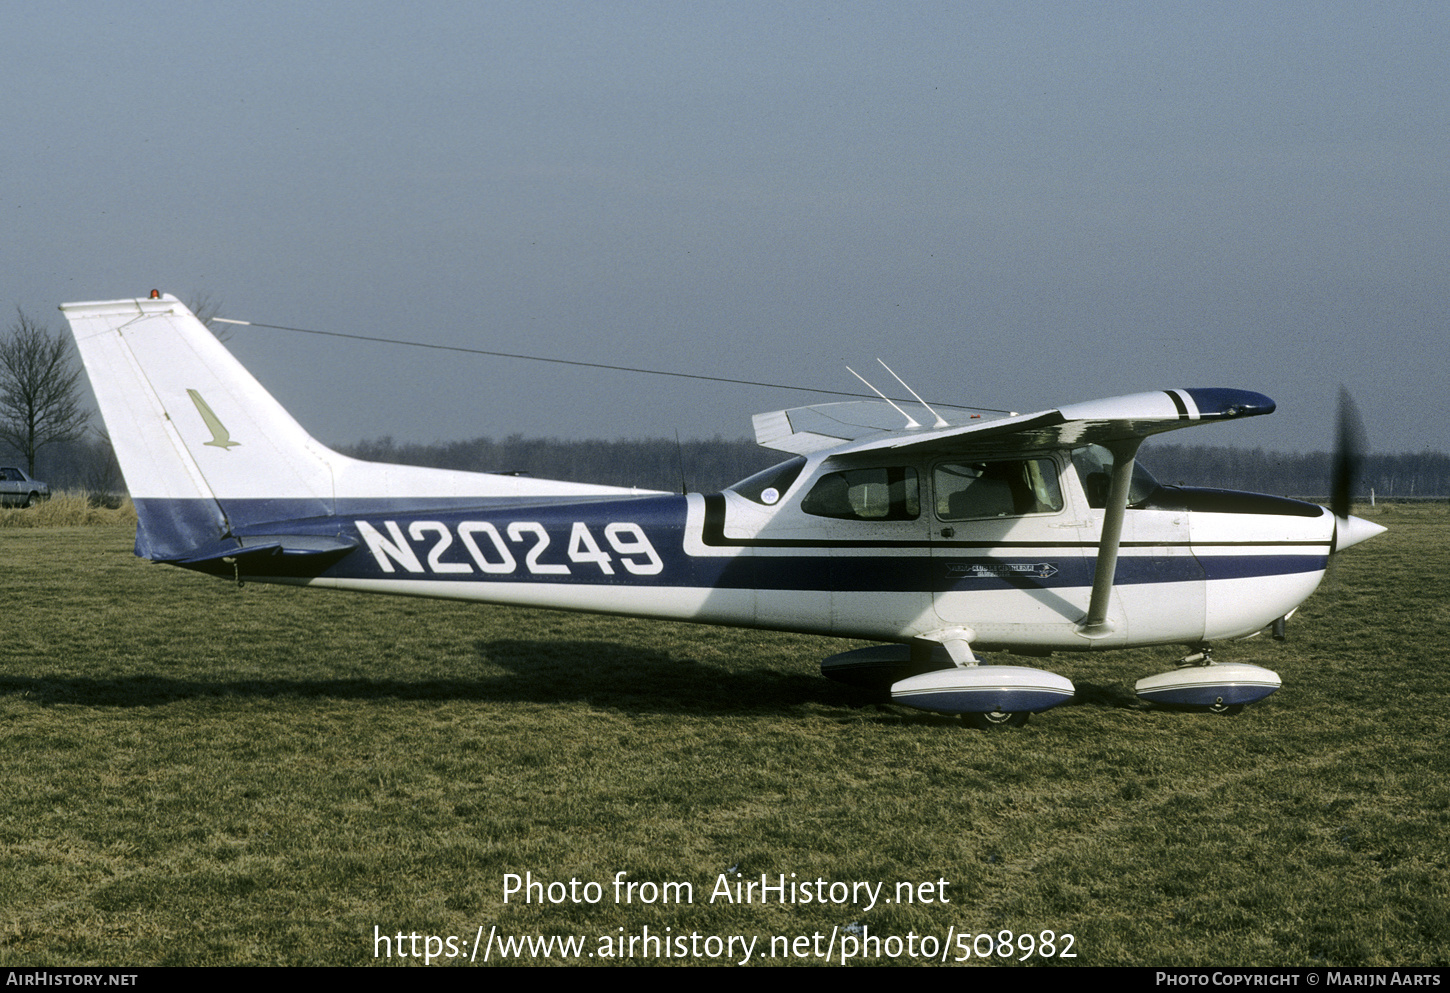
[1032,533]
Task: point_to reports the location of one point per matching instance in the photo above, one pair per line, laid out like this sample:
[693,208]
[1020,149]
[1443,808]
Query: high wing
[857,427]
[853,429]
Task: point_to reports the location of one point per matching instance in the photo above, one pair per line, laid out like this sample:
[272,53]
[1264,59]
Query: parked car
[19,490]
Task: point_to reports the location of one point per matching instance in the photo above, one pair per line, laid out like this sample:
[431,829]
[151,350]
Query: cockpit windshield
[768,486]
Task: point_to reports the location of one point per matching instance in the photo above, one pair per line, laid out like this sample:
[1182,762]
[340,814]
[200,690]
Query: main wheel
[32,500]
[995,719]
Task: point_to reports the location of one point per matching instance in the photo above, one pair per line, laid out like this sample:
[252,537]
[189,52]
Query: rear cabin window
[885,494]
[966,490]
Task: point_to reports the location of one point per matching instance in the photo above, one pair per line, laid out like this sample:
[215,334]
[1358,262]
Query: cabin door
[1007,550]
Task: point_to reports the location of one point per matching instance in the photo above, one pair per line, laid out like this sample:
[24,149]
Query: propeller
[1348,455]
[1349,445]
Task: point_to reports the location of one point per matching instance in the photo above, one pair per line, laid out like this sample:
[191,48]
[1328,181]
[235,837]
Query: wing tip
[1222,403]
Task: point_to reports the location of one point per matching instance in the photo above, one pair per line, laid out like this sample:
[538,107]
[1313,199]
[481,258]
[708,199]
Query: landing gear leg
[1203,656]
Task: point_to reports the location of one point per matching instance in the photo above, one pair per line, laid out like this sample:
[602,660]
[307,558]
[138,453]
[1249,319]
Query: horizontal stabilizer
[316,548]
[878,666]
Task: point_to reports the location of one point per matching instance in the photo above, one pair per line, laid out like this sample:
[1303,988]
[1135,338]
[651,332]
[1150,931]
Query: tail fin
[209,454]
[192,430]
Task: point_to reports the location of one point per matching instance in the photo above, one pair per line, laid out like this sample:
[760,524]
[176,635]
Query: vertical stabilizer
[197,437]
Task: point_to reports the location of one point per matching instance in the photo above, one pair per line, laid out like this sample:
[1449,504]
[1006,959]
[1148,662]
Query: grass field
[196,774]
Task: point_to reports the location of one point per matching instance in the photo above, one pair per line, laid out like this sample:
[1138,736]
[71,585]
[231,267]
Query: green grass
[196,774]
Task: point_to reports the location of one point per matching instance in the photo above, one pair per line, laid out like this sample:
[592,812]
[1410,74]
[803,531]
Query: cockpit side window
[883,494]
[1094,465]
[966,490]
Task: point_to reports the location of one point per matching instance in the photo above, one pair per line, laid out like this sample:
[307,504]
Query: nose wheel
[1201,684]
[1227,709]
[995,719]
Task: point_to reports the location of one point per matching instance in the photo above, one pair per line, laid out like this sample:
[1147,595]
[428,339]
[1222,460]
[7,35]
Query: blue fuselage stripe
[641,542]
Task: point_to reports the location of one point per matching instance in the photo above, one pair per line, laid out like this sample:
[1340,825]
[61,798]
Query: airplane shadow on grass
[604,674]
[608,675]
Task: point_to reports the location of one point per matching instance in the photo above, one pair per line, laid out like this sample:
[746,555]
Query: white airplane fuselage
[1183,576]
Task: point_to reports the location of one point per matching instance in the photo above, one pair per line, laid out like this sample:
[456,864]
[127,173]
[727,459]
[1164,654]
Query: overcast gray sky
[1015,205]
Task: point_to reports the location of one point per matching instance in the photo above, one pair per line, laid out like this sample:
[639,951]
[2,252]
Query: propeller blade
[1349,447]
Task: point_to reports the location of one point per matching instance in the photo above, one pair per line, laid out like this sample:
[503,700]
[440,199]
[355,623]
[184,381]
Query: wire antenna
[574,362]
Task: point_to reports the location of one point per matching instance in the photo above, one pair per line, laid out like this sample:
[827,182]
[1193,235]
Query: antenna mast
[940,421]
[911,422]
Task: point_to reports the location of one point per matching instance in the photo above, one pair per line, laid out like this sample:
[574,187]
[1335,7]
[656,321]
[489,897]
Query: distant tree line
[1404,476]
[657,463]
[647,463]
[709,465]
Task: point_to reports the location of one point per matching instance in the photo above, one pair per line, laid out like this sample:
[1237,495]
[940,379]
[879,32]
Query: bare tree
[40,389]
[99,472]
[206,310]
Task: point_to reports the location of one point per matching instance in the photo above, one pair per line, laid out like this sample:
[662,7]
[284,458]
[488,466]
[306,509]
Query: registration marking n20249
[492,552]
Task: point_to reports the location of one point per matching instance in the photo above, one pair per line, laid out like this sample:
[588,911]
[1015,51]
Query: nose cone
[1352,530]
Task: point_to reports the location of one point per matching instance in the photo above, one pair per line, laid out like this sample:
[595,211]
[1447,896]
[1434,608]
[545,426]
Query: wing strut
[1095,624]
